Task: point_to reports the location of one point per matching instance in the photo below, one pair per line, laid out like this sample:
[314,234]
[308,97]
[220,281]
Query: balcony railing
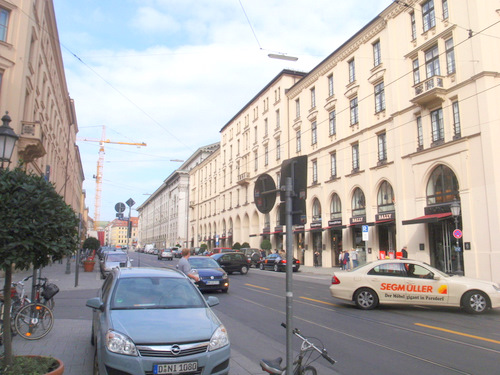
[31,141]
[430,91]
[244,178]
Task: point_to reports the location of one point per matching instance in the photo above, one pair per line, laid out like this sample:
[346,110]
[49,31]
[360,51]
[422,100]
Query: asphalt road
[387,340]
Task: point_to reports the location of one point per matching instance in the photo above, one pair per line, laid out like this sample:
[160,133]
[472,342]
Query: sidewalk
[69,339]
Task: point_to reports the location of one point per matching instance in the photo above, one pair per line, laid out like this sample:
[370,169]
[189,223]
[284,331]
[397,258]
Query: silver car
[114,259]
[155,321]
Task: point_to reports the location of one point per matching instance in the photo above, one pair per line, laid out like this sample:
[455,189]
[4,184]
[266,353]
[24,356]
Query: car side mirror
[212,301]
[95,303]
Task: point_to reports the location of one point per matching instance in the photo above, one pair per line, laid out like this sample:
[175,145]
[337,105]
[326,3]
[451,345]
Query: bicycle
[302,365]
[19,299]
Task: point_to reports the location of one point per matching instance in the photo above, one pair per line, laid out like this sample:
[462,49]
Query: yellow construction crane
[100,163]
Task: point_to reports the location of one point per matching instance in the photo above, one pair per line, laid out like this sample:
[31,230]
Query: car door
[422,288]
[388,280]
[99,323]
[225,262]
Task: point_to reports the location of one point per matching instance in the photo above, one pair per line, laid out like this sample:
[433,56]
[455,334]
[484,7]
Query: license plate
[212,282]
[175,368]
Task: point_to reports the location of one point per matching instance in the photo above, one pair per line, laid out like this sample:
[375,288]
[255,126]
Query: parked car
[176,252]
[252,254]
[276,263]
[114,259]
[212,276]
[155,321]
[218,250]
[411,282]
[165,254]
[232,262]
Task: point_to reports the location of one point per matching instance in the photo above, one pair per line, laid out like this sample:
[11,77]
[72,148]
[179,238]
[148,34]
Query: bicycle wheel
[34,321]
[309,370]
[50,303]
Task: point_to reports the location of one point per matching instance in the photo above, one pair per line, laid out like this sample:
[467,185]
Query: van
[149,248]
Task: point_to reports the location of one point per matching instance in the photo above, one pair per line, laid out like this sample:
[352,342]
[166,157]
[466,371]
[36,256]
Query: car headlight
[219,339]
[121,344]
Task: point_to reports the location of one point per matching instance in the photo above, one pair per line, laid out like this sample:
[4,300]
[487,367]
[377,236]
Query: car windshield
[122,258]
[203,263]
[155,293]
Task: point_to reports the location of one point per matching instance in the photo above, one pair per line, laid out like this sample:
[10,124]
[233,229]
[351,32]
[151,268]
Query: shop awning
[319,229]
[433,218]
[380,222]
[340,226]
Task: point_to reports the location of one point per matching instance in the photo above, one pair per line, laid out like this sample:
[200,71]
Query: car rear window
[155,293]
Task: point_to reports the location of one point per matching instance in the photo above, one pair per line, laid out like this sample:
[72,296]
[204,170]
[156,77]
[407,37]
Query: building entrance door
[442,247]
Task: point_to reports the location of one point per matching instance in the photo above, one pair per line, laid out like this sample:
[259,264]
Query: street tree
[37,227]
[91,243]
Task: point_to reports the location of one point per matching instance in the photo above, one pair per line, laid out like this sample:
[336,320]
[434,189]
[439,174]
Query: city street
[382,341]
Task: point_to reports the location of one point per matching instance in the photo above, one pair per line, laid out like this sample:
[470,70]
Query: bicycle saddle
[273,366]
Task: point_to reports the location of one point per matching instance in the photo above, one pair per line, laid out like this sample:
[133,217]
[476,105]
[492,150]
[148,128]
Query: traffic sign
[365,228]
[264,193]
[457,233]
[120,207]
[130,202]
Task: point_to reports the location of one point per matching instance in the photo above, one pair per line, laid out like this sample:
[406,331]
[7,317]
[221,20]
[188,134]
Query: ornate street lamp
[8,140]
[455,212]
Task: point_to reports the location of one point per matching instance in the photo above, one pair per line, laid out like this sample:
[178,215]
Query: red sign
[457,233]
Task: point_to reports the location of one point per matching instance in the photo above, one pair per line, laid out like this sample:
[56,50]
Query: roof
[149,272]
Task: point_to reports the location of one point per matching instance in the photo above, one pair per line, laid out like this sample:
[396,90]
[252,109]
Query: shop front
[386,230]
[298,242]
[334,230]
[278,237]
[316,230]
[359,244]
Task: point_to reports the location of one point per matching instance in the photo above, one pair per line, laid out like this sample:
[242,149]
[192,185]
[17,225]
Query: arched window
[316,214]
[385,198]
[335,207]
[358,204]
[442,186]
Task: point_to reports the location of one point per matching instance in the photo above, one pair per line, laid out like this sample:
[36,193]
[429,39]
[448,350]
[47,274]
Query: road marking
[319,301]
[256,286]
[458,333]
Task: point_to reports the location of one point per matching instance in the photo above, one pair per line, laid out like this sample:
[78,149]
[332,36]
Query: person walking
[184,265]
[341,259]
[347,262]
[354,258]
[316,258]
[404,252]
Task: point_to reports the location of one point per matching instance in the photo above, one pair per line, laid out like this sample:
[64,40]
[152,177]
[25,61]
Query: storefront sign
[335,223]
[385,217]
[357,220]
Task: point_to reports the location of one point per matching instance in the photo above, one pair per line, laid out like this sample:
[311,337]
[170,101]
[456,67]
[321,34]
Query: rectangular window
[432,62]
[278,119]
[314,133]
[313,97]
[355,157]
[416,72]
[420,133]
[299,141]
[332,123]
[354,111]
[256,160]
[315,171]
[379,97]
[256,134]
[382,147]
[428,16]
[266,128]
[4,22]
[297,108]
[266,155]
[278,149]
[445,10]
[377,58]
[450,56]
[456,120]
[413,26]
[333,164]
[352,71]
[437,125]
[330,85]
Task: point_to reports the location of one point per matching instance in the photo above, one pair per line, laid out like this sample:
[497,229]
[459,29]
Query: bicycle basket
[50,290]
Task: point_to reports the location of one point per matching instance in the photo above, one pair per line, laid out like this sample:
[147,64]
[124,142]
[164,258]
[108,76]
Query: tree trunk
[7,334]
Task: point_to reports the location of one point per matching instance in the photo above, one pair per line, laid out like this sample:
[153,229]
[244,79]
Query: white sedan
[405,281]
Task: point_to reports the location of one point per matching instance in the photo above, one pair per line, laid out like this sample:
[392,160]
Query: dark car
[218,250]
[176,252]
[155,321]
[252,254]
[276,263]
[233,262]
[212,276]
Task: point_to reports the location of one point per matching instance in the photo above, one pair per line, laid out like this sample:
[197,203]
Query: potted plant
[30,204]
[88,265]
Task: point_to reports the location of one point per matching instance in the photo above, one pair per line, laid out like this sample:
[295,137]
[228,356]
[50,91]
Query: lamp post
[8,140]
[455,212]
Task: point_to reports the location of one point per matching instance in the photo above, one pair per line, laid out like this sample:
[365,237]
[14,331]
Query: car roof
[149,272]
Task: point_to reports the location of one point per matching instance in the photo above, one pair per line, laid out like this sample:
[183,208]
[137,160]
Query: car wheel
[475,302]
[366,299]
[244,270]
[276,268]
[96,363]
[261,266]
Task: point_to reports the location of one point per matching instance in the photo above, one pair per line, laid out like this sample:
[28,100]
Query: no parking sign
[457,233]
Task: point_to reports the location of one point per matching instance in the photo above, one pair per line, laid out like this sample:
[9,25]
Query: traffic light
[296,168]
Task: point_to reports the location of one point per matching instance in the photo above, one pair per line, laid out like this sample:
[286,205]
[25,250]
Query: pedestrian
[354,258]
[184,265]
[341,259]
[263,254]
[347,263]
[316,258]
[404,252]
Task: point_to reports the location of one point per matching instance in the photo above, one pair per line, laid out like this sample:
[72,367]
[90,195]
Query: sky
[172,73]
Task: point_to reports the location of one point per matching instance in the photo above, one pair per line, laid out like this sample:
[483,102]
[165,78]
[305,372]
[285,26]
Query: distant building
[117,233]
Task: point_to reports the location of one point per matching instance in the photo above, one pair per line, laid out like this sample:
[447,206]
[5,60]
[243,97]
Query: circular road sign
[264,193]
[120,207]
[457,233]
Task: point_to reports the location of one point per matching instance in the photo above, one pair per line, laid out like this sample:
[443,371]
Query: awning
[433,218]
[380,222]
[335,227]
[361,224]
[319,229]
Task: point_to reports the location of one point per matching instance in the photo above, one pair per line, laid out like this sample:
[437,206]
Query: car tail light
[335,280]
[298,261]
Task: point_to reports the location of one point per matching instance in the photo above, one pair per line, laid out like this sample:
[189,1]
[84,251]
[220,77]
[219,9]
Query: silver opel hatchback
[155,321]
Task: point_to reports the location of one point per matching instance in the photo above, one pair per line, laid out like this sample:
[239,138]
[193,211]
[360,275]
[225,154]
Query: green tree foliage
[203,246]
[265,245]
[236,246]
[245,245]
[37,227]
[91,243]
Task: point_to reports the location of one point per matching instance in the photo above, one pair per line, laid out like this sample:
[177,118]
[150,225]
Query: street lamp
[7,140]
[455,212]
